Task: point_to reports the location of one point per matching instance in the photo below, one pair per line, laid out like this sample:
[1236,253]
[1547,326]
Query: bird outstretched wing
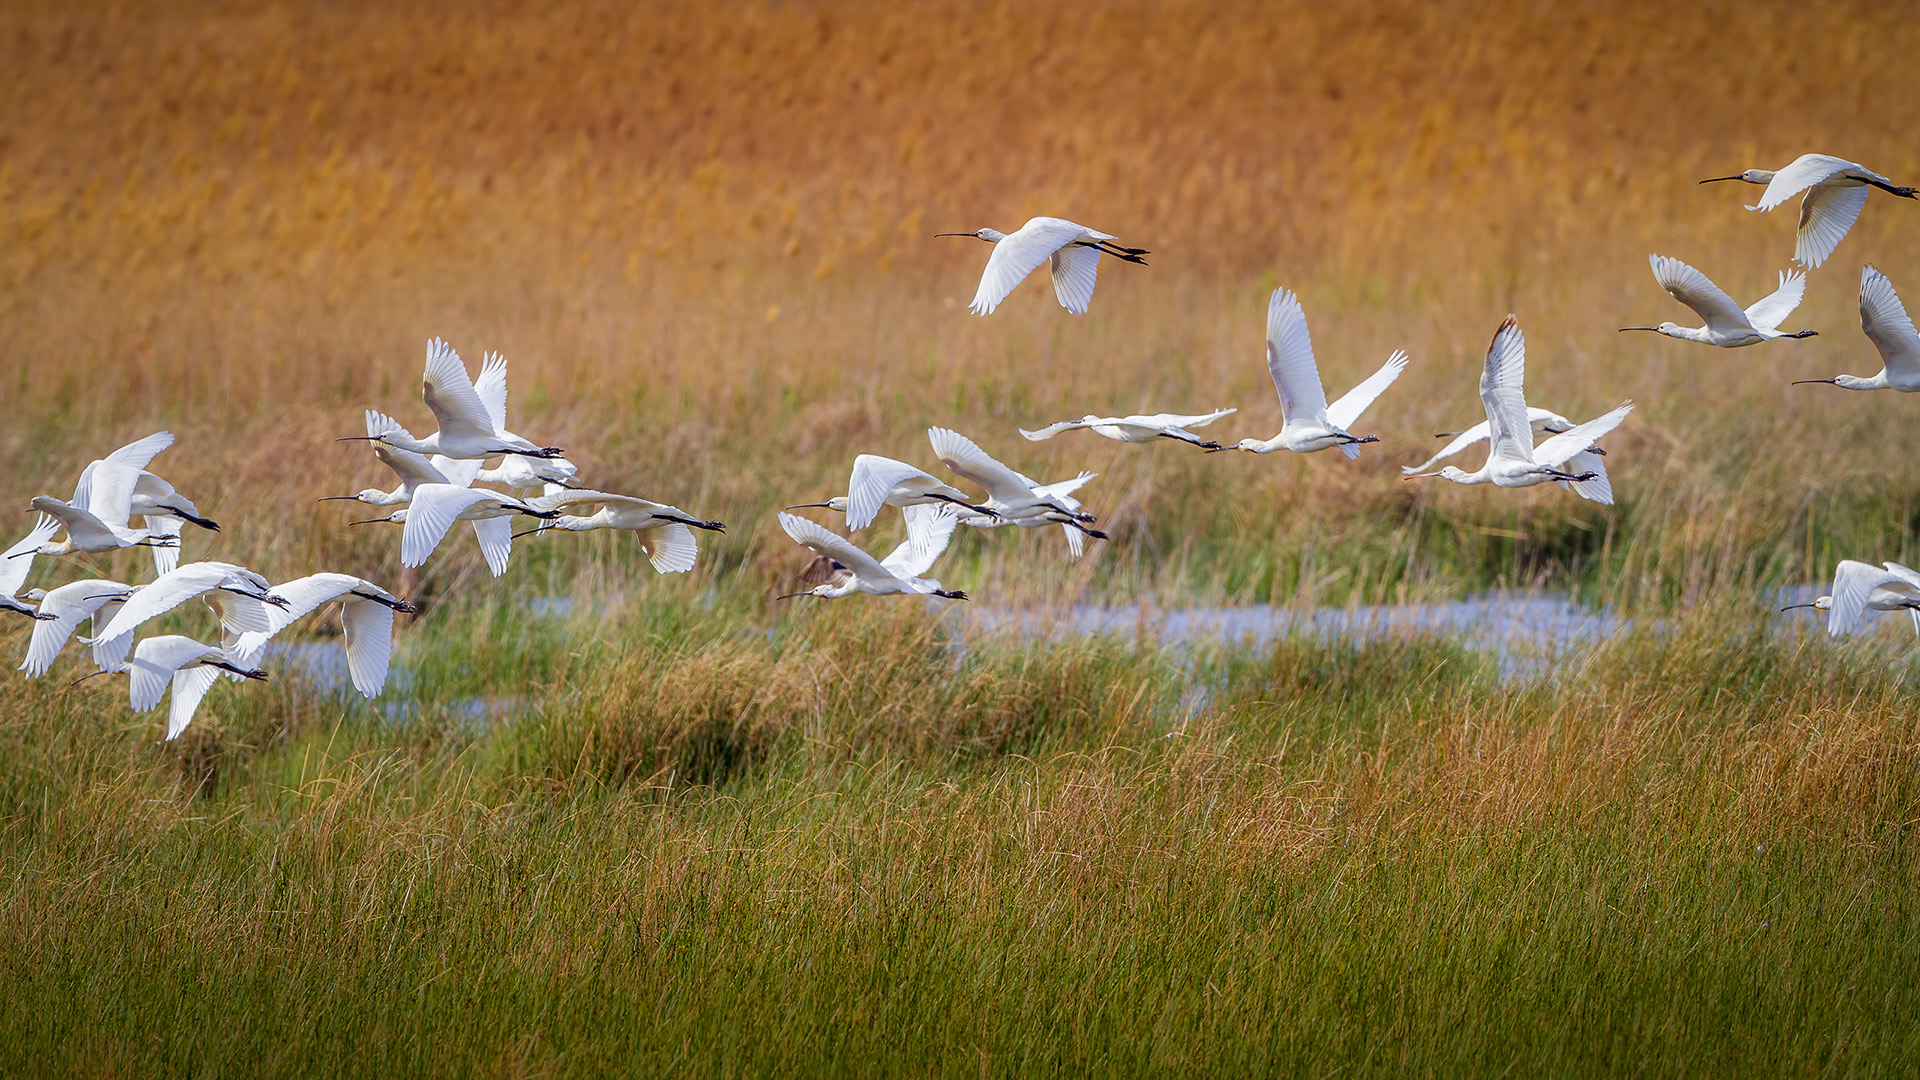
[1886,323]
[138,453]
[838,548]
[15,563]
[448,391]
[1600,488]
[190,685]
[1344,413]
[369,639]
[1558,450]
[1075,268]
[1825,216]
[1290,360]
[1692,288]
[434,510]
[1853,585]
[967,460]
[491,388]
[1768,312]
[872,480]
[671,548]
[70,604]
[929,530]
[164,593]
[1502,393]
[155,659]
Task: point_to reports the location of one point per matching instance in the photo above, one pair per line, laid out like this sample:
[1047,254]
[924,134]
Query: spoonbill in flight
[1308,423]
[1885,321]
[1836,190]
[843,569]
[1512,460]
[1017,499]
[881,481]
[1862,587]
[1727,325]
[412,469]
[666,532]
[1541,422]
[366,620]
[61,612]
[466,428]
[1137,428]
[1074,251]
[188,666]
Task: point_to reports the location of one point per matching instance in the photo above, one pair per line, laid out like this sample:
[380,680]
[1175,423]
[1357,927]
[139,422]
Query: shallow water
[1522,629]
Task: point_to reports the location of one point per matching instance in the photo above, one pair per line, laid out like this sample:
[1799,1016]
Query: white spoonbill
[187,666]
[466,428]
[62,610]
[881,481]
[666,532]
[1074,250]
[412,469]
[1860,587]
[1512,459]
[849,570]
[1308,423]
[1138,428]
[1836,190]
[1016,498]
[1885,321]
[17,563]
[366,617]
[214,581]
[86,532]
[1727,325]
[436,507]
[1542,422]
[1063,491]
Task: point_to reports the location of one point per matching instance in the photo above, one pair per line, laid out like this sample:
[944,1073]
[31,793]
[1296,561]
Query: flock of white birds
[439,475]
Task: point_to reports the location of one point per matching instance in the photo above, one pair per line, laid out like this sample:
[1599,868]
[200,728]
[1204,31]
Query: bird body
[217,582]
[1541,422]
[1728,326]
[1073,251]
[1308,423]
[1138,428]
[850,570]
[1885,322]
[665,531]
[1512,459]
[366,618]
[1836,190]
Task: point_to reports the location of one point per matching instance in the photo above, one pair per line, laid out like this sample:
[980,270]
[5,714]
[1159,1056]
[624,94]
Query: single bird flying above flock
[1836,191]
[1728,326]
[1072,250]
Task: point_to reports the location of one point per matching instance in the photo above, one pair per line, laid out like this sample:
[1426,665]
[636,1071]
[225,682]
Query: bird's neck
[1690,333]
[1855,382]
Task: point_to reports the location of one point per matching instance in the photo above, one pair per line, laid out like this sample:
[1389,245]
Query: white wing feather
[1556,451]
[190,685]
[1344,413]
[1020,254]
[833,546]
[1884,320]
[1075,268]
[1692,288]
[16,564]
[369,639]
[1503,395]
[1768,312]
[448,391]
[670,547]
[69,605]
[1290,360]
[1825,216]
[967,460]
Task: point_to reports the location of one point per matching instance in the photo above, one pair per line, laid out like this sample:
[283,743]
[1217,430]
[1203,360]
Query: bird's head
[1824,603]
[398,517]
[991,236]
[1670,329]
[1751,176]
[838,502]
[34,595]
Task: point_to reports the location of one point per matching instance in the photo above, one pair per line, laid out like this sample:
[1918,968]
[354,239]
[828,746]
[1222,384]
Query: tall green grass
[844,843]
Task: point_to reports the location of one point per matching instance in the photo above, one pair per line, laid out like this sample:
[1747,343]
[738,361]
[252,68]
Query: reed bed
[683,830]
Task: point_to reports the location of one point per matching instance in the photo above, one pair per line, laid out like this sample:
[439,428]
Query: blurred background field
[702,234]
